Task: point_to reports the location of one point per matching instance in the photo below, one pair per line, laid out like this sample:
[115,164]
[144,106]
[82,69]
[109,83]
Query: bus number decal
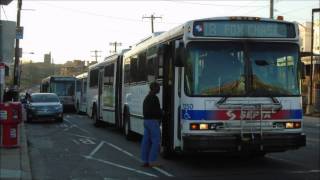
[187,106]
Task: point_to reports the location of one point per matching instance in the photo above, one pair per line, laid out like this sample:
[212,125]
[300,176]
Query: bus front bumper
[251,142]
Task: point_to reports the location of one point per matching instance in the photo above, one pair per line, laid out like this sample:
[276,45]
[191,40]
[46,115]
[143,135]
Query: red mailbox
[10,117]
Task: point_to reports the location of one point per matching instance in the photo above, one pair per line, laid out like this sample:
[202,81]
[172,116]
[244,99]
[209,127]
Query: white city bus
[105,79]
[63,86]
[81,93]
[227,84]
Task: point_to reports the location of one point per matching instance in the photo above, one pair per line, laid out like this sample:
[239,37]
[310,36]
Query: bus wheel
[97,122]
[127,131]
[78,110]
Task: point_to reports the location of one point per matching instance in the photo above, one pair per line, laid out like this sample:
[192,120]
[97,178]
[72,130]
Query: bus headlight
[203,126]
[289,125]
[206,126]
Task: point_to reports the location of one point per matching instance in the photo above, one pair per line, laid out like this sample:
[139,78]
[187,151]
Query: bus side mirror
[179,54]
[302,70]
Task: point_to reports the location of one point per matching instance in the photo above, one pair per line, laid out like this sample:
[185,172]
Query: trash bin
[10,117]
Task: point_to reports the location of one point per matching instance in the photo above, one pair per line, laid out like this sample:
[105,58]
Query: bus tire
[97,122]
[126,127]
[77,108]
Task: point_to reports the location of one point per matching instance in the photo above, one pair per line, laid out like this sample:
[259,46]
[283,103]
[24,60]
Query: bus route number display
[238,29]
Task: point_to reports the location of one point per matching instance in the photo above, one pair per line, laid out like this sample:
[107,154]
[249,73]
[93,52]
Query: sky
[73,29]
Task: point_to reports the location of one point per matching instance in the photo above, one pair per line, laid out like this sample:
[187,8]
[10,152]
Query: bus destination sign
[243,29]
[63,78]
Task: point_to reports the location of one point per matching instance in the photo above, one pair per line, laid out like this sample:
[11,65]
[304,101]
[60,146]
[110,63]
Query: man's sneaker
[155,165]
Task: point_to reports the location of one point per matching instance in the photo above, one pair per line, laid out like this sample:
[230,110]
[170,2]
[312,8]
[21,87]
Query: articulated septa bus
[63,86]
[81,93]
[104,91]
[227,84]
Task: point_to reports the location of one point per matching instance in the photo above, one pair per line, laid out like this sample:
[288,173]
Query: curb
[24,155]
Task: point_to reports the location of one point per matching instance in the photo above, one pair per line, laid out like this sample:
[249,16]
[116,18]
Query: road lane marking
[119,149]
[86,141]
[163,171]
[74,125]
[96,149]
[88,137]
[121,166]
[131,155]
[75,141]
[285,160]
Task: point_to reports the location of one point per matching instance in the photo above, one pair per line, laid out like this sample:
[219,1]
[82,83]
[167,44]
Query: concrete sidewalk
[15,162]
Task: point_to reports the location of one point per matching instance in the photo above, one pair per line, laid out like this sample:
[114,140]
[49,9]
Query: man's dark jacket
[151,107]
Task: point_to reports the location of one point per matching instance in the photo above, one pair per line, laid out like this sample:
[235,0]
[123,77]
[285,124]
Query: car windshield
[44,98]
[241,69]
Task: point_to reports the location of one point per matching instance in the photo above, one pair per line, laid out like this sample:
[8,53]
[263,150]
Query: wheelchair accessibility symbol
[186,115]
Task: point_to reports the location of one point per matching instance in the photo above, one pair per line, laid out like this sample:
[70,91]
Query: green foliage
[33,73]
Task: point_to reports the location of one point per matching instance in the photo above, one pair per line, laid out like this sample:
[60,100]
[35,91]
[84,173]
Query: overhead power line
[99,15]
[4,12]
[211,4]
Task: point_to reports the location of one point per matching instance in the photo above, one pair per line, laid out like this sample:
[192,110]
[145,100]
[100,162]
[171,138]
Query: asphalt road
[75,149]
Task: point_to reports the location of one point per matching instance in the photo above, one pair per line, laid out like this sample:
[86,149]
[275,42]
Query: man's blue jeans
[150,145]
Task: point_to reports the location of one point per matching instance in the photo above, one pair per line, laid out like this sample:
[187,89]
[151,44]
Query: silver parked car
[44,106]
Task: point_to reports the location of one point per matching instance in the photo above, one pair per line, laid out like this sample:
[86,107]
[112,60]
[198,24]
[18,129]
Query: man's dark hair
[154,86]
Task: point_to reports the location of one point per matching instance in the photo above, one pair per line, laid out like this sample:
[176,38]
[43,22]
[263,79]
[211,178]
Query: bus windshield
[241,69]
[274,69]
[63,88]
[215,69]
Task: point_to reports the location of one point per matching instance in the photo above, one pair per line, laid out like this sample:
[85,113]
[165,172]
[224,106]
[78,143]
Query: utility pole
[310,109]
[115,44]
[271,9]
[96,55]
[17,52]
[152,17]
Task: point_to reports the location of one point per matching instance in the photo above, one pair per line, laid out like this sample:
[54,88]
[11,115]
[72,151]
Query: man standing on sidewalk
[152,114]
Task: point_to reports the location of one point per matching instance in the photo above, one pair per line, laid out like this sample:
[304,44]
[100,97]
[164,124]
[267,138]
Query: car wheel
[60,120]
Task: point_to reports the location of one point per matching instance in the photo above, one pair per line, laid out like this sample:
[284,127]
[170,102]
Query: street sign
[19,33]
[8,35]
